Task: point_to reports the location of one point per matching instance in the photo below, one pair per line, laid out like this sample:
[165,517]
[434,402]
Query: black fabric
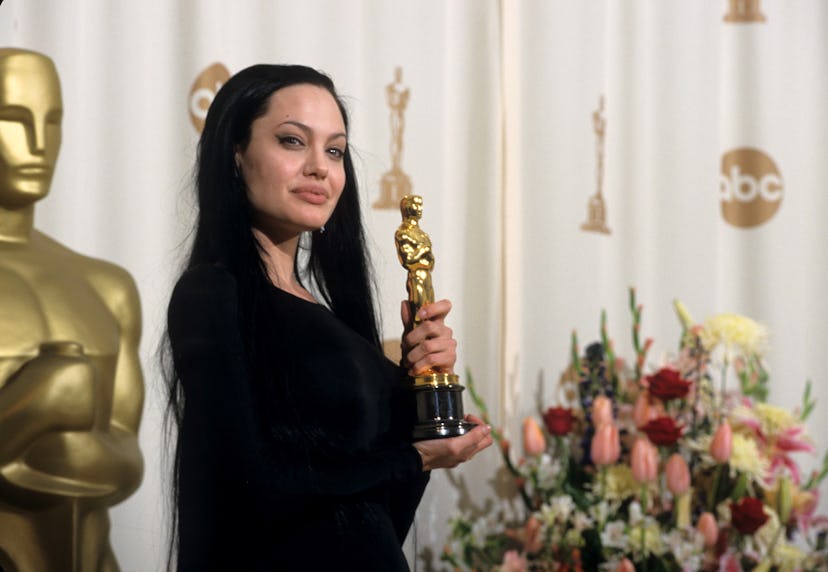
[298,460]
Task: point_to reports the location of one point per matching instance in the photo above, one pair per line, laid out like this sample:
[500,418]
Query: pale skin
[294,171]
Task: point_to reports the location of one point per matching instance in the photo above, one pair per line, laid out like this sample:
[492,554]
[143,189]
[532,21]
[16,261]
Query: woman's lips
[312,195]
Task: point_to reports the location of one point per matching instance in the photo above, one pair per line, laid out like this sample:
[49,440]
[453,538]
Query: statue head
[411,206]
[31,110]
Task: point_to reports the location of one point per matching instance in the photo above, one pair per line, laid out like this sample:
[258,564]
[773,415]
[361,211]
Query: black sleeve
[404,497]
[218,421]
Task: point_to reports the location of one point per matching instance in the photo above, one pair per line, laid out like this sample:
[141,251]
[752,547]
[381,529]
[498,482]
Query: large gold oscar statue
[71,389]
[437,394]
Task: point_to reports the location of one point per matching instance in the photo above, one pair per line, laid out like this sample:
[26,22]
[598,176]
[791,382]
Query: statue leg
[36,539]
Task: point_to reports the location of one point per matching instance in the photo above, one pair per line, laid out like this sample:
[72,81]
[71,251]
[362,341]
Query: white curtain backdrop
[501,140]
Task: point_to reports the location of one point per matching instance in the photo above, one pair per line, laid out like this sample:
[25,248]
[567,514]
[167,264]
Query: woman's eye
[290,140]
[336,152]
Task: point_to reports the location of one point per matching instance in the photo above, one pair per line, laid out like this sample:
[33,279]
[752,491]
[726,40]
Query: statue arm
[120,294]
[118,291]
[411,250]
[48,393]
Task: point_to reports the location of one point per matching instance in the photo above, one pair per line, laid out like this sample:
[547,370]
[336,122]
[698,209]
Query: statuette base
[439,407]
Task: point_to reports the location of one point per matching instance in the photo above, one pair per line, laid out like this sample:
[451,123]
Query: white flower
[581,521]
[549,470]
[635,512]
[614,535]
[687,545]
[558,509]
[601,512]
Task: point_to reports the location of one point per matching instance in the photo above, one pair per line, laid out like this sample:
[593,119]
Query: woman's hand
[449,452]
[430,345]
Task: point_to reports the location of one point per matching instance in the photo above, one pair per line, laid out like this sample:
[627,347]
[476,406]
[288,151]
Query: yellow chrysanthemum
[646,539]
[774,419]
[788,557]
[620,483]
[745,457]
[734,332]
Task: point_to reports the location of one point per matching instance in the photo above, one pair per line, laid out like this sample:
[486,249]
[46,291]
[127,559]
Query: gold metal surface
[436,379]
[71,388]
[415,254]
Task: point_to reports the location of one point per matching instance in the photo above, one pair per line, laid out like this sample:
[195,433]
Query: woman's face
[293,165]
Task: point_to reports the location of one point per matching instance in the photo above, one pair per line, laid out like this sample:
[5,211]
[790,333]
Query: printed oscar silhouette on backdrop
[744,12]
[597,209]
[71,388]
[437,394]
[395,183]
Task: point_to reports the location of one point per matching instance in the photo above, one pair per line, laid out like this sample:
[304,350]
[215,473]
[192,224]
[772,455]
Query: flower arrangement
[658,471]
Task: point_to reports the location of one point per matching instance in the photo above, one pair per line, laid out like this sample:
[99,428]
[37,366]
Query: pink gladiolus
[606,445]
[708,528]
[534,442]
[644,461]
[601,411]
[678,474]
[646,409]
[722,444]
[625,566]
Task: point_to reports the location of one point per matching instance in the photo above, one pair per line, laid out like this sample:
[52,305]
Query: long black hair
[336,263]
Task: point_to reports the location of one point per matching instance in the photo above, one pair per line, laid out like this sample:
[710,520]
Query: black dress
[294,457]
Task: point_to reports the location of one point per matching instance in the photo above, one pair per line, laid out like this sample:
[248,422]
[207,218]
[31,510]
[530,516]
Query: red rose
[667,384]
[748,515]
[558,420]
[663,431]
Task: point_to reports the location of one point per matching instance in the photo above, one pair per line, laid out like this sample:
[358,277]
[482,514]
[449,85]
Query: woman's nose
[316,164]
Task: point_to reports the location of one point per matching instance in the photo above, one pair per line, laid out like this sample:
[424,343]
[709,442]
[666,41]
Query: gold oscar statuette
[437,394]
[71,386]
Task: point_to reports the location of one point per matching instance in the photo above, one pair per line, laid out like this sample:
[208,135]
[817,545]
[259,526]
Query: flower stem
[722,397]
[711,500]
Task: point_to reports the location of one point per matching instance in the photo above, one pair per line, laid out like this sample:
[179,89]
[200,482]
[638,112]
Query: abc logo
[203,91]
[751,187]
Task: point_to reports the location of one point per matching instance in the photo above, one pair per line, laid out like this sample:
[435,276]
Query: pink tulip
[644,460]
[533,541]
[534,442]
[722,444]
[606,445]
[678,474]
[514,562]
[646,409]
[708,528]
[601,411]
[625,566]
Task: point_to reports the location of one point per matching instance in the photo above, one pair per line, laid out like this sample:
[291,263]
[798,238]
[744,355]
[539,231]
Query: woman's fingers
[431,344]
[438,353]
[450,452]
[435,311]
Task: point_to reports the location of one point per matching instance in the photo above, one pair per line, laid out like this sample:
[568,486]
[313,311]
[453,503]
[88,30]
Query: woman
[293,450]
